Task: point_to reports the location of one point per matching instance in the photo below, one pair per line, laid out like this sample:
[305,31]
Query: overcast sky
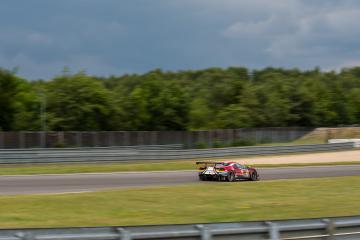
[105,37]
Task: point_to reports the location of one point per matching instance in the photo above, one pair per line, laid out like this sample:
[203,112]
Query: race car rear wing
[209,163]
[208,166]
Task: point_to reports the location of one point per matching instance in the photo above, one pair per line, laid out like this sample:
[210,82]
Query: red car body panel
[229,171]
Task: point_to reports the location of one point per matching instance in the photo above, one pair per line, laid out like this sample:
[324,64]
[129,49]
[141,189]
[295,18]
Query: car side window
[238,166]
[242,166]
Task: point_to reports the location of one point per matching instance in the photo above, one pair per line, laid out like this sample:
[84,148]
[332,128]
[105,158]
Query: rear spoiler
[208,162]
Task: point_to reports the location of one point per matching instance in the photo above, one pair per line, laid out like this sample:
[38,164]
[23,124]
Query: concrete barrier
[355,141]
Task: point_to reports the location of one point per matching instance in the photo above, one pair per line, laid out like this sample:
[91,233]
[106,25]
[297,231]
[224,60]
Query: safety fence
[209,138]
[329,228]
[153,153]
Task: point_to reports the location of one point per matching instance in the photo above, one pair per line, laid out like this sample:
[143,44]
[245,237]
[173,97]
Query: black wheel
[230,177]
[202,178]
[254,176]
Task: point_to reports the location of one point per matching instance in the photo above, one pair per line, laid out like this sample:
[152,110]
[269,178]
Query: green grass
[205,202]
[310,140]
[250,143]
[33,169]
[300,141]
[94,167]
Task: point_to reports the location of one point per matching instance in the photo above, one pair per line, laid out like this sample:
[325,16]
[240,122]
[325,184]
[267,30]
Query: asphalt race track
[64,183]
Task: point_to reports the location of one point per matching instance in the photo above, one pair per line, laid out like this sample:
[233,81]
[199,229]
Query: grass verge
[205,202]
[33,169]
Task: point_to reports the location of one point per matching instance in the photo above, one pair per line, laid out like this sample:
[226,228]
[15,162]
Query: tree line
[212,98]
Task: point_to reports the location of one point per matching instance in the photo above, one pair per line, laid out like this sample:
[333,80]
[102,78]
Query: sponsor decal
[210,170]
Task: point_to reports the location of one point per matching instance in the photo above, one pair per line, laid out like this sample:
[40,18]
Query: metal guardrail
[330,228]
[151,153]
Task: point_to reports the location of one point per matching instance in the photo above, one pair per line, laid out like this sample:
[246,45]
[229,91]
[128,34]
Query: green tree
[195,99]
[78,102]
[28,106]
[10,86]
[132,109]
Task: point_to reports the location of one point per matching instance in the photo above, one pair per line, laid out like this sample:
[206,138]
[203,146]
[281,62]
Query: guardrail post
[205,232]
[124,234]
[274,232]
[330,229]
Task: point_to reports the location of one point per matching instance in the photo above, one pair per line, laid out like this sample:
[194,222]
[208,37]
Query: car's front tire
[254,176]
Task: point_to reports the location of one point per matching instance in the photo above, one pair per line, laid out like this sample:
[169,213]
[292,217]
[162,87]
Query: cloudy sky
[105,37]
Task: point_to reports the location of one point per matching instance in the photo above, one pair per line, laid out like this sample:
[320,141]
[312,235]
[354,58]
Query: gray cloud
[114,37]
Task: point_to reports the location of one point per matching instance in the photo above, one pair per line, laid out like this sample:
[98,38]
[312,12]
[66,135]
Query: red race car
[226,171]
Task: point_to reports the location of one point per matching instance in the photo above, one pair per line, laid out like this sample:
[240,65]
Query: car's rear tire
[202,178]
[230,177]
[254,176]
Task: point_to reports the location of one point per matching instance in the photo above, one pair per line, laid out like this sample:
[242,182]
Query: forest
[213,98]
